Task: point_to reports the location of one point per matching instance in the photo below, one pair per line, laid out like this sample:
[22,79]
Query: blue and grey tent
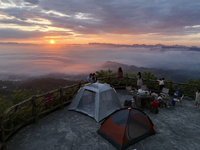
[96,100]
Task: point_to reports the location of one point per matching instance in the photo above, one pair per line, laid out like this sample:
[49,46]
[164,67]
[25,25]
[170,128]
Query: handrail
[30,110]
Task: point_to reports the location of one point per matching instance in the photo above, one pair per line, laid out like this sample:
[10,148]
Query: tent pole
[125,127]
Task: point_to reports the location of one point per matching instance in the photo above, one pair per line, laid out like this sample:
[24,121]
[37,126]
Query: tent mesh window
[87,103]
[106,96]
[137,125]
[120,117]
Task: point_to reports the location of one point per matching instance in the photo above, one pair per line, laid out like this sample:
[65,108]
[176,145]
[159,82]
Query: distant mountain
[175,75]
[193,48]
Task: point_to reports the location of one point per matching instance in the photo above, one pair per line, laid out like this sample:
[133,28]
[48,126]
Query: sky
[167,22]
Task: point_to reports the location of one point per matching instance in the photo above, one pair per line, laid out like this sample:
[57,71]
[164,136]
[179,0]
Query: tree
[132,75]
[21,95]
[191,81]
[104,73]
[149,75]
[5,104]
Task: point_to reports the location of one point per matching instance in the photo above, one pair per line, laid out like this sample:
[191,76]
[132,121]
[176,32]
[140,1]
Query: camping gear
[154,107]
[126,127]
[177,93]
[96,100]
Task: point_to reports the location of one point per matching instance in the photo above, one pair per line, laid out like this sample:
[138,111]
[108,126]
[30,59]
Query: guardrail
[30,110]
[153,85]
[34,108]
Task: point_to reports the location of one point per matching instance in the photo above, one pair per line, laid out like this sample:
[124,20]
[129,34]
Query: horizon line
[106,44]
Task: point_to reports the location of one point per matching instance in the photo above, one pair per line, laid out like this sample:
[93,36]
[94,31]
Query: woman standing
[119,73]
[139,81]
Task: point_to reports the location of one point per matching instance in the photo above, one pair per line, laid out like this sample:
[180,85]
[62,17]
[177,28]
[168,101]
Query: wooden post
[127,81]
[109,80]
[79,85]
[61,97]
[148,83]
[2,135]
[34,110]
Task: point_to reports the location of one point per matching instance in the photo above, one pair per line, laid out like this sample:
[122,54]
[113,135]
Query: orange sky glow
[147,23]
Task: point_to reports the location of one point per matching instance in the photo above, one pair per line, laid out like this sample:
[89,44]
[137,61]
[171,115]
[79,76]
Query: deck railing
[188,90]
[34,108]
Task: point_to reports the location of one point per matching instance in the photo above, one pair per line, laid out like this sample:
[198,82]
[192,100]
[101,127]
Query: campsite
[68,129]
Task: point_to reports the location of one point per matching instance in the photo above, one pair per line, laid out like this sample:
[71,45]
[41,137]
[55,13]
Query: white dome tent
[96,100]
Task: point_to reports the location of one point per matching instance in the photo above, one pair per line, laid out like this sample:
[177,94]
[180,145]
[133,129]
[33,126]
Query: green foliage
[125,74]
[132,75]
[21,95]
[149,75]
[191,81]
[5,104]
[168,80]
[105,73]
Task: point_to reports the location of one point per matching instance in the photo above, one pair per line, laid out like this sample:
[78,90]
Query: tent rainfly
[96,100]
[126,127]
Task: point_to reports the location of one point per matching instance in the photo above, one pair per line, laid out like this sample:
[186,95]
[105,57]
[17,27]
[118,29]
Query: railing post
[2,135]
[109,80]
[61,97]
[148,83]
[79,85]
[127,81]
[170,87]
[34,110]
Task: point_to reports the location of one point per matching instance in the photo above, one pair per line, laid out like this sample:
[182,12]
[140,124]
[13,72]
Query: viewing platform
[176,129]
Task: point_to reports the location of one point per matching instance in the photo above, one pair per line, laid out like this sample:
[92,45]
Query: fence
[34,108]
[188,90]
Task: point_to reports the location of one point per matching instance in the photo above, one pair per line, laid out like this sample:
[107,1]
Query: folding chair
[144,87]
[129,90]
[165,93]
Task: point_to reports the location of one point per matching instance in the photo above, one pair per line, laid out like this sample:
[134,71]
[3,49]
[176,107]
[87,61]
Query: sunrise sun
[52,42]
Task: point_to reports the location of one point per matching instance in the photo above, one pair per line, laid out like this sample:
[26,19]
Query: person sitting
[119,73]
[94,78]
[89,78]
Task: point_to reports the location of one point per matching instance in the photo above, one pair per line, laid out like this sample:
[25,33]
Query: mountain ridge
[176,75]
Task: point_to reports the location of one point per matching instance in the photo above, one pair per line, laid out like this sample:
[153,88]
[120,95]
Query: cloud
[18,34]
[32,1]
[92,17]
[74,59]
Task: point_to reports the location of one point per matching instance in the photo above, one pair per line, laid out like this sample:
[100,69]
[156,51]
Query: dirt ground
[176,129]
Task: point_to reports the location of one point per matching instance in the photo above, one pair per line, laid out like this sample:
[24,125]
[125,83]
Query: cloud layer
[38,60]
[99,21]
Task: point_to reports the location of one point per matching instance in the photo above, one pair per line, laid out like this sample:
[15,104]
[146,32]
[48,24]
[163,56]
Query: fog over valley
[39,60]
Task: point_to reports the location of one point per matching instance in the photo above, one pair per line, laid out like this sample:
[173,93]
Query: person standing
[198,100]
[139,80]
[197,94]
[119,73]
